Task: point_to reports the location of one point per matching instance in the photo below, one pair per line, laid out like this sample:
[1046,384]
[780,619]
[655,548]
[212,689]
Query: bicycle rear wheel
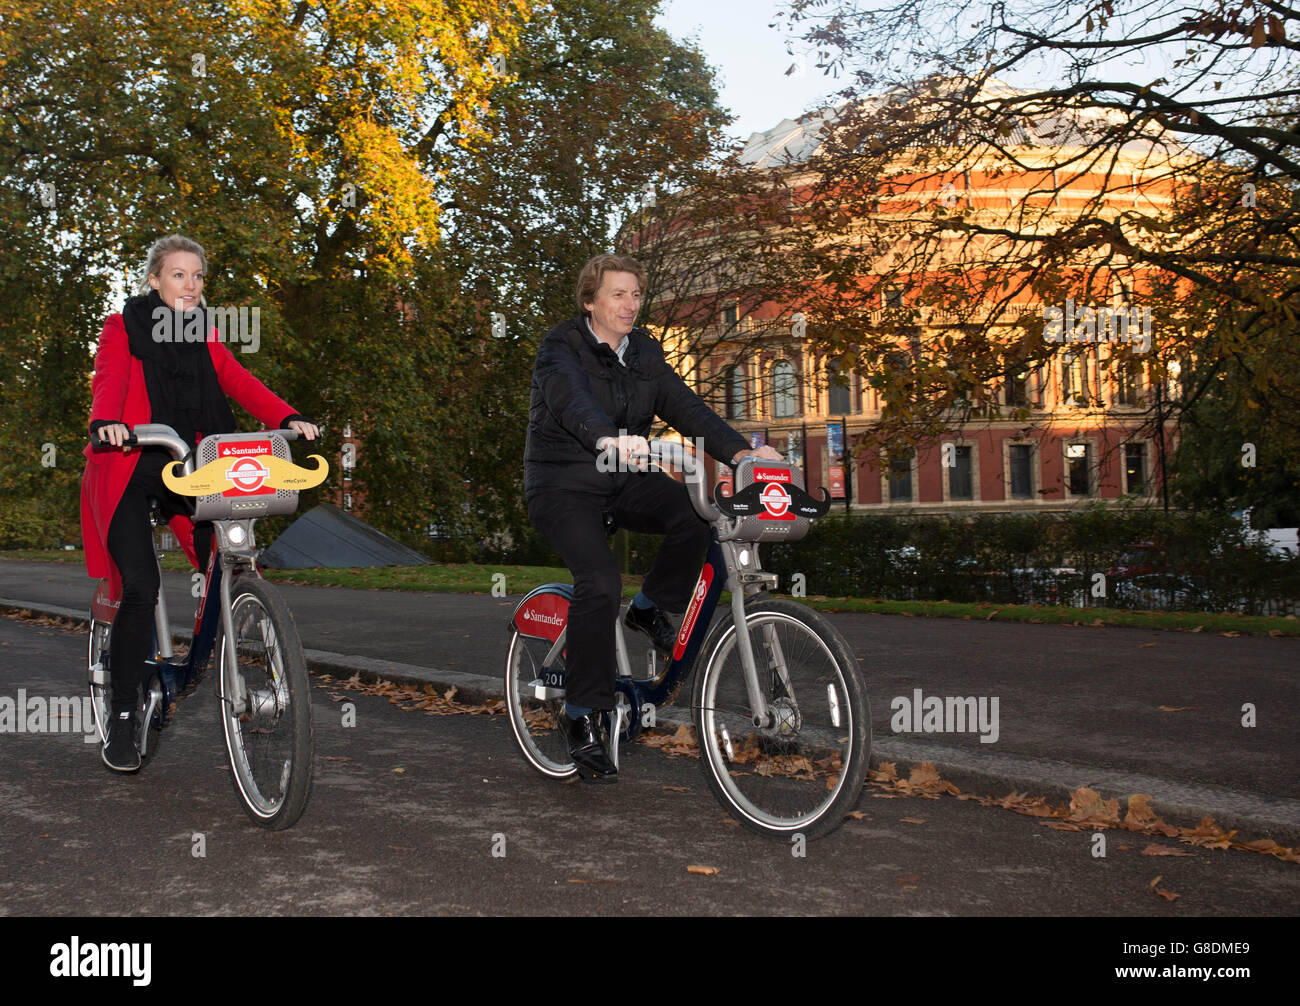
[803,772]
[269,740]
[535,711]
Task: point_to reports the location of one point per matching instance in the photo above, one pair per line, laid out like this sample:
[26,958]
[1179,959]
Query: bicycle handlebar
[161,435]
[691,467]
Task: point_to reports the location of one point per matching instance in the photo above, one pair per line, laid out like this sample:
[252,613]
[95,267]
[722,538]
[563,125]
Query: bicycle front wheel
[804,770]
[101,690]
[535,709]
[269,733]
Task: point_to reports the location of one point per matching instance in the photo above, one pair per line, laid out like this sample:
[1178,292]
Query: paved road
[1077,706]
[376,840]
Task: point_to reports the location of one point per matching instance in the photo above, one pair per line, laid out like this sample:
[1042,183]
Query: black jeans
[130,543]
[573,523]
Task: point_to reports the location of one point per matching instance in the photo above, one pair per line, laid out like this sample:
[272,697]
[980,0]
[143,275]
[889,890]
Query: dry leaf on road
[704,871]
[1165,850]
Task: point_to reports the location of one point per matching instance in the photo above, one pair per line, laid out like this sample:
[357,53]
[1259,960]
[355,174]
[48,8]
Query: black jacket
[581,393]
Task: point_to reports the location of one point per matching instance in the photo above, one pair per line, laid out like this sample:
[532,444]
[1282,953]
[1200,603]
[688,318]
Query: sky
[750,59]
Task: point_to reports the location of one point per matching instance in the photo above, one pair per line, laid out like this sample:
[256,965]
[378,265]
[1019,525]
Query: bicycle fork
[743,575]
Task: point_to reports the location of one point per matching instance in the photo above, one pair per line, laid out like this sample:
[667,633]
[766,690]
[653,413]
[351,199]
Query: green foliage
[1203,560]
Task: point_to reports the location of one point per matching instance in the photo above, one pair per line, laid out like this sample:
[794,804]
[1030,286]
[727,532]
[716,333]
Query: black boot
[654,623]
[587,748]
[121,751]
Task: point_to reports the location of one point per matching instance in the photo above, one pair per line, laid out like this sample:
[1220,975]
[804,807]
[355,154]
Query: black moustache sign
[749,501]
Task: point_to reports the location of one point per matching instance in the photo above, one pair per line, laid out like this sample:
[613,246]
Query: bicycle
[263,691]
[783,726]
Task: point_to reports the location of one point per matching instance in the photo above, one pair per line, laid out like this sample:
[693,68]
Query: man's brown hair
[593,274]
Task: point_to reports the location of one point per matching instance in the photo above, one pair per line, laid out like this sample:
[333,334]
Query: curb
[1252,815]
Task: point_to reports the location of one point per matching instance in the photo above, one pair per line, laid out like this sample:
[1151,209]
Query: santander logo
[693,611]
[537,616]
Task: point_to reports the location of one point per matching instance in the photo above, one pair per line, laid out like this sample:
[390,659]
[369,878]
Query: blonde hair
[163,247]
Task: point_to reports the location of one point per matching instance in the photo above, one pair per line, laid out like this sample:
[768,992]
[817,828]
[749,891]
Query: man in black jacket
[598,384]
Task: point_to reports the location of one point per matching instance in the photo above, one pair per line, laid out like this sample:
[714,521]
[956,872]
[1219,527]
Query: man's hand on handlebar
[631,450]
[765,452]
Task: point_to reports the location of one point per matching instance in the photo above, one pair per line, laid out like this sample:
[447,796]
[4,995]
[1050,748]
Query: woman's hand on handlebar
[308,431]
[113,433]
[765,452]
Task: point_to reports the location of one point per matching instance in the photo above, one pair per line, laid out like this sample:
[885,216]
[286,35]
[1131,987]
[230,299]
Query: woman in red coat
[140,378]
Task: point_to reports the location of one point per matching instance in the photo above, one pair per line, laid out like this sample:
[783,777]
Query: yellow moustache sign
[235,476]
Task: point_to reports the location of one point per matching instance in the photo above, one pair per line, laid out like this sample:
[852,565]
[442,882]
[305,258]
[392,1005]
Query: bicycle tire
[535,722]
[270,743]
[802,774]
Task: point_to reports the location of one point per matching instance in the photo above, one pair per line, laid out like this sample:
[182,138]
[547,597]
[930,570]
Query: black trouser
[130,543]
[573,523]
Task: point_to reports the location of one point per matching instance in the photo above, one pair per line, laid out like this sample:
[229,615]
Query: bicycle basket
[770,502]
[246,473]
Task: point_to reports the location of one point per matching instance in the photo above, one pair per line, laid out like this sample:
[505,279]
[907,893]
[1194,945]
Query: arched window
[736,392]
[785,392]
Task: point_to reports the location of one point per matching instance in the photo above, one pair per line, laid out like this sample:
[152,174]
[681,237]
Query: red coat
[120,394]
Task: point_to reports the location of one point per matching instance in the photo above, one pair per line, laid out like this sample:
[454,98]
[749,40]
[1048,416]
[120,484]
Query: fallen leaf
[1165,850]
[1145,645]
[1152,886]
[1167,895]
[1087,805]
[911,878]
[855,815]
[678,789]
[402,848]
[1175,709]
[912,820]
[1140,814]
[992,613]
[704,871]
[399,770]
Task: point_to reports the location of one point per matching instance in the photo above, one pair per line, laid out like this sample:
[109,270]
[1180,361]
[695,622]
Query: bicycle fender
[543,612]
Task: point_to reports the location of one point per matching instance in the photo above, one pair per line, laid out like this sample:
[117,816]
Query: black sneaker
[121,752]
[654,623]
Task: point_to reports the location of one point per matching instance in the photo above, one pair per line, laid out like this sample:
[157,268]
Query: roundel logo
[247,474]
[776,499]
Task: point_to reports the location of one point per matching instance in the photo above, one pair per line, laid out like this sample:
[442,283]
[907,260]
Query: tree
[302,144]
[1155,154]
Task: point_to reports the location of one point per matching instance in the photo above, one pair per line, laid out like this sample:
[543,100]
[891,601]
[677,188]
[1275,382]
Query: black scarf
[181,381]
